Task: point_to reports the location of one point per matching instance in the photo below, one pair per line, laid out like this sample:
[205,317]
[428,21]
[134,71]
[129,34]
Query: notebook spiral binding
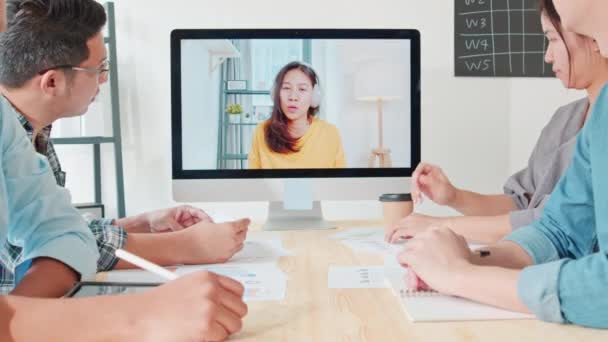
[418,293]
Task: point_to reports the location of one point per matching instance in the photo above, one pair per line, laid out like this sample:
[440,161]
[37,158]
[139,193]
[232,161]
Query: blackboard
[495,38]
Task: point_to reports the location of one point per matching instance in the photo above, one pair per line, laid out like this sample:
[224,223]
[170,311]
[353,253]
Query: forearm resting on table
[482,229]
[164,249]
[474,204]
[490,285]
[46,278]
[87,319]
[133,224]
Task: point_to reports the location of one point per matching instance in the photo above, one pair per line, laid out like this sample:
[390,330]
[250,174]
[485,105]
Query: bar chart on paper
[499,38]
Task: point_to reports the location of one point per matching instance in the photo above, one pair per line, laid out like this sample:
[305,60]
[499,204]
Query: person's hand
[435,257]
[210,243]
[430,180]
[174,219]
[197,307]
[410,226]
[413,282]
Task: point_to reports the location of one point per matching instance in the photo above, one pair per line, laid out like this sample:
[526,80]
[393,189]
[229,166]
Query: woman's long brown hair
[276,132]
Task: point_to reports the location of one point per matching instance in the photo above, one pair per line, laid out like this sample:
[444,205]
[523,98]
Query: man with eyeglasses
[58,247]
[46,74]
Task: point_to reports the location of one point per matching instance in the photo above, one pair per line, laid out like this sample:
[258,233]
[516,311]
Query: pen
[482,253]
[145,264]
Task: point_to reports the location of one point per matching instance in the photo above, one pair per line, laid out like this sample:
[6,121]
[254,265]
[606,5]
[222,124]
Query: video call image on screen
[295,104]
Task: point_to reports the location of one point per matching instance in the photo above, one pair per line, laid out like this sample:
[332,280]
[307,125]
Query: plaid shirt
[109,237]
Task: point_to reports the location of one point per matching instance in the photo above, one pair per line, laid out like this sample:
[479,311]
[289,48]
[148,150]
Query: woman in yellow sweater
[293,138]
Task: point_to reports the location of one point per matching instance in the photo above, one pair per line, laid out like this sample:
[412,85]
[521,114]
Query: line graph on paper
[499,38]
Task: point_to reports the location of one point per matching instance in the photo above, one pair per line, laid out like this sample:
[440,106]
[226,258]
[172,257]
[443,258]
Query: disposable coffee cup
[395,207]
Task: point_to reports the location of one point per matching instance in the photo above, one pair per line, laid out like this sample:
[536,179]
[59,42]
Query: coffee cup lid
[395,197]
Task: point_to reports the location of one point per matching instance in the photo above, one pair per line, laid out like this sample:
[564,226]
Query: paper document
[260,250]
[358,233]
[254,266]
[219,217]
[261,281]
[356,277]
[370,240]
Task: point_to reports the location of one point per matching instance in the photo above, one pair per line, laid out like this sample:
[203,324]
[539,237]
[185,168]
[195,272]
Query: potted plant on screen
[234,112]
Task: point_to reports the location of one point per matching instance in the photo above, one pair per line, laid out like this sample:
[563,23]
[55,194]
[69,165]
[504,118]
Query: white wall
[530,112]
[477,129]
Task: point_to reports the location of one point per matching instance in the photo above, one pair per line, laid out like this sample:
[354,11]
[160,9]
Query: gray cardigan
[530,188]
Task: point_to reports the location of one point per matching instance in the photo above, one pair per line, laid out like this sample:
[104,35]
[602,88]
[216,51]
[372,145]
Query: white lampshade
[380,80]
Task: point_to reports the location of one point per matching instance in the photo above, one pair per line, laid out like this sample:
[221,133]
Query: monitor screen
[295,103]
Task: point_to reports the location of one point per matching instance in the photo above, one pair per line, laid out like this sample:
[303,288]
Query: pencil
[145,264]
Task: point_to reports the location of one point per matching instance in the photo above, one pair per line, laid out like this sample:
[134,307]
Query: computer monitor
[294,117]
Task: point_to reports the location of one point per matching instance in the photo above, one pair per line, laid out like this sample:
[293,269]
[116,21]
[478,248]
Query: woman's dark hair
[547,8]
[43,34]
[276,133]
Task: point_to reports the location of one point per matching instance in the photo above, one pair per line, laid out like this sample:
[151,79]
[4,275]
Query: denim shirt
[568,245]
[36,214]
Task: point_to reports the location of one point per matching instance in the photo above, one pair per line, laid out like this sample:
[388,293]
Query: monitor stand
[280,218]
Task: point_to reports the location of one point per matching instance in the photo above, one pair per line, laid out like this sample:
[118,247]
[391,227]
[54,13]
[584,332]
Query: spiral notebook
[430,306]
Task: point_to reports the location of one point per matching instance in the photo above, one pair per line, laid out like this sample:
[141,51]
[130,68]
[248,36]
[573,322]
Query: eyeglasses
[102,70]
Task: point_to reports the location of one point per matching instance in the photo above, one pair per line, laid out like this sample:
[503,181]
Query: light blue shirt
[35,213]
[569,244]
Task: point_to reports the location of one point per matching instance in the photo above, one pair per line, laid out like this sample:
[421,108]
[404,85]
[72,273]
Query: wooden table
[312,312]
